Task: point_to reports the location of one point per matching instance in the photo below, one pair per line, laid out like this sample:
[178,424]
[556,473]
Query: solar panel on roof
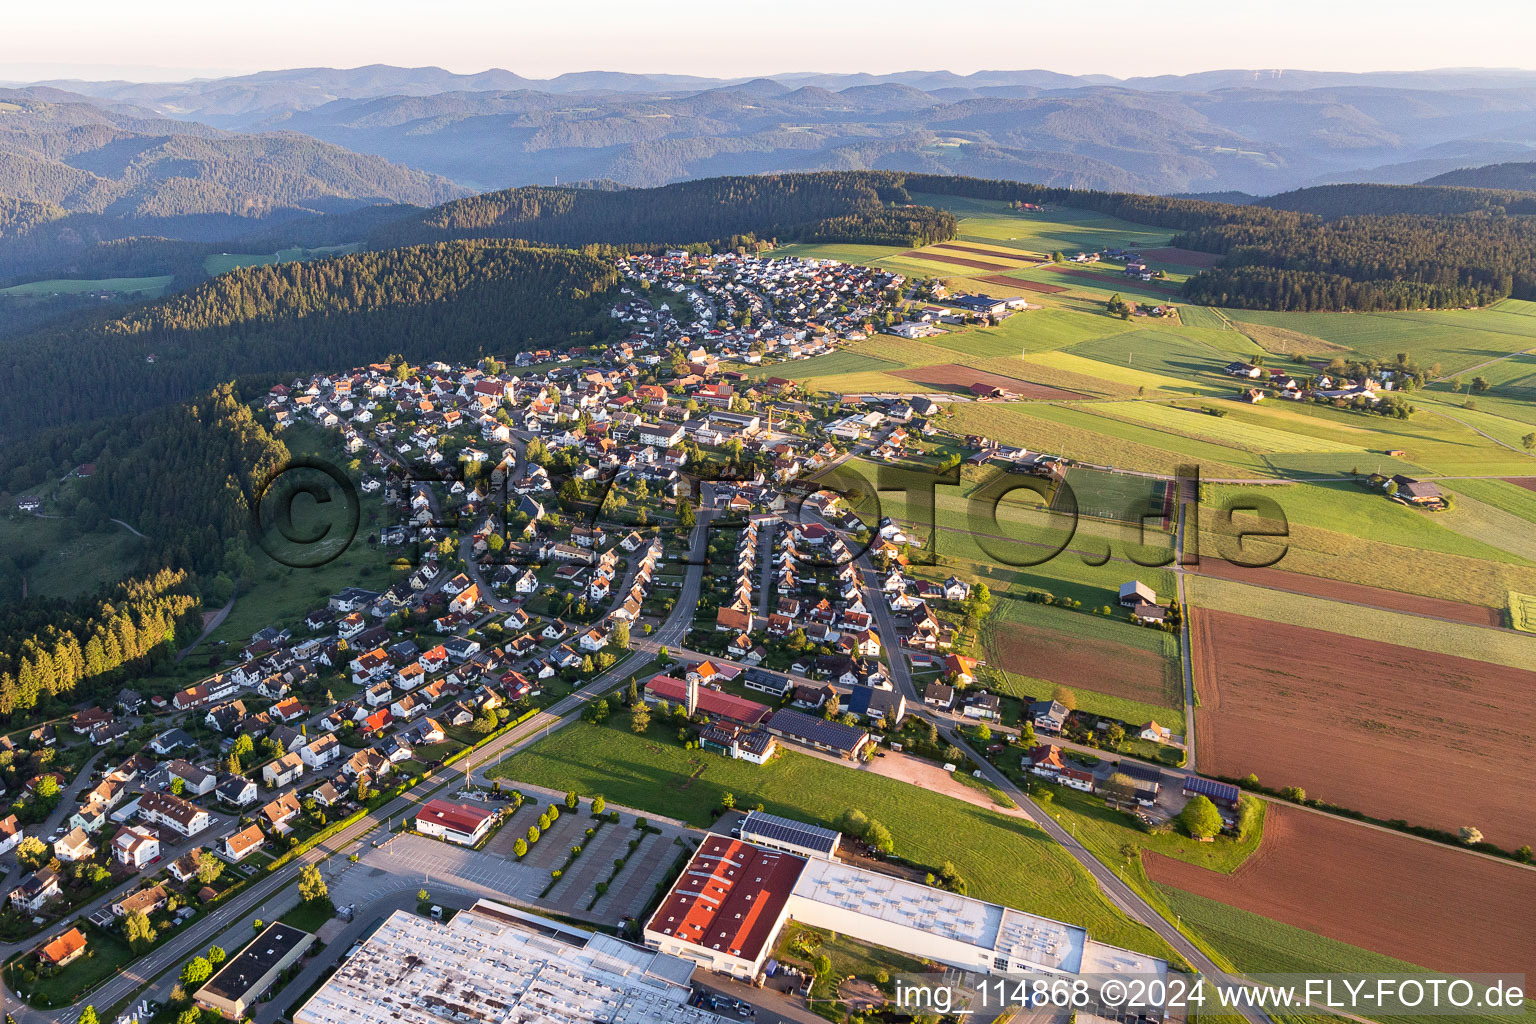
[787,830]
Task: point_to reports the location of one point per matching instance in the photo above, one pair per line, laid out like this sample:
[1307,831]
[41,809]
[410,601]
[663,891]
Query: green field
[1003,858]
[57,560]
[223,262]
[145,287]
[844,361]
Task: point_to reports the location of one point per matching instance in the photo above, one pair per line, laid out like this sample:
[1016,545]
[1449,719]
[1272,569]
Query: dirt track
[1427,904]
[955,377]
[1391,731]
[1355,593]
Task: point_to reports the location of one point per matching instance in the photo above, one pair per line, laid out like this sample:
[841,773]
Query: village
[584,532]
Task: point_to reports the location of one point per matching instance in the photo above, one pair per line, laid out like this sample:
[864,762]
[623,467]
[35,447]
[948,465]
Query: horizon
[66,73]
[178,40]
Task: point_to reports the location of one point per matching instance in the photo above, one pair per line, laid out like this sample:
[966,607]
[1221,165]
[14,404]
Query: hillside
[455,300]
[75,174]
[1521,176]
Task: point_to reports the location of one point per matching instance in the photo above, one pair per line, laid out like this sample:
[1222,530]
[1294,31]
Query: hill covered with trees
[1515,176]
[454,300]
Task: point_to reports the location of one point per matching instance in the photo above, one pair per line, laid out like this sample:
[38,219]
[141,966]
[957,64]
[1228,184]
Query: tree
[138,932]
[88,1016]
[1065,697]
[1200,818]
[1119,788]
[1480,384]
[982,733]
[196,971]
[621,636]
[485,722]
[311,886]
[533,834]
[598,803]
[216,955]
[178,786]
[728,801]
[47,788]
[520,847]
[572,800]
[421,896]
[1470,834]
[1529,441]
[640,720]
[191,1015]
[209,867]
[878,836]
[33,853]
[685,514]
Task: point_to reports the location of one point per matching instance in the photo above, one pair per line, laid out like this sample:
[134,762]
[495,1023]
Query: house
[135,847]
[1048,716]
[184,868]
[463,824]
[62,950]
[74,845]
[181,816]
[145,901]
[36,890]
[242,844]
[284,770]
[1415,492]
[195,781]
[939,695]
[960,668]
[1154,732]
[170,741]
[280,813]
[237,791]
[320,752]
[11,834]
[1046,761]
[1136,593]
[981,705]
[91,817]
[366,762]
[734,741]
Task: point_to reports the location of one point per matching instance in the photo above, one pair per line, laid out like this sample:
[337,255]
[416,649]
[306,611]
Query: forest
[831,207]
[454,300]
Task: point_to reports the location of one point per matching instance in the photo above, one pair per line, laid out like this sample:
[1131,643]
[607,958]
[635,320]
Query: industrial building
[727,909]
[240,983]
[493,964]
[789,835]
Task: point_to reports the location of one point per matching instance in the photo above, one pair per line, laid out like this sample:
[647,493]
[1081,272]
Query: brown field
[1354,593]
[1021,257]
[1427,904]
[954,377]
[1029,286]
[1528,482]
[1392,731]
[1118,670]
[959,261]
[1183,257]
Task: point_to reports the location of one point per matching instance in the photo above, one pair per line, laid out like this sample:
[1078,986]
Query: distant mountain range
[1253,131]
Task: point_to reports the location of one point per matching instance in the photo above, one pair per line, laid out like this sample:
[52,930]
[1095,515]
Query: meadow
[223,262]
[57,560]
[1003,858]
[138,287]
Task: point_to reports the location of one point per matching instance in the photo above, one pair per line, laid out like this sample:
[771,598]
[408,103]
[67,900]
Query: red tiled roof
[730,898]
[460,818]
[711,702]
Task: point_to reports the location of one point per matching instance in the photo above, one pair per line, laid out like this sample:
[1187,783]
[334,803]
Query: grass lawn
[106,954]
[1110,834]
[1003,858]
[309,916]
[220,263]
[147,287]
[59,561]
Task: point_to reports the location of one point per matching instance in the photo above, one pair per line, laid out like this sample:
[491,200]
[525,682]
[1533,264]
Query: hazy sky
[164,39]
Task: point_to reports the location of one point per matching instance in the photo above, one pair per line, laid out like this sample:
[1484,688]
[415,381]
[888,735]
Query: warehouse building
[789,835]
[734,898]
[240,983]
[464,824]
[493,963]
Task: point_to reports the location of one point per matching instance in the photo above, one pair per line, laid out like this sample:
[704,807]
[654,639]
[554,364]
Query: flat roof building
[240,983]
[789,835]
[493,964]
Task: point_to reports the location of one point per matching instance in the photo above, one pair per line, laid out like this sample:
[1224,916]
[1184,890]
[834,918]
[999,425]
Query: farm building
[1223,794]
